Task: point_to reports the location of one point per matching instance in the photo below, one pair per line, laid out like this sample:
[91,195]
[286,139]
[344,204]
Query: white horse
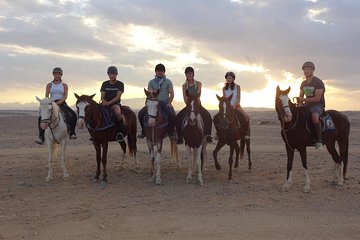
[55,132]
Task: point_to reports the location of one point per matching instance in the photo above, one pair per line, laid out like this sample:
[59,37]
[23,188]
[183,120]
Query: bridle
[153,99]
[49,122]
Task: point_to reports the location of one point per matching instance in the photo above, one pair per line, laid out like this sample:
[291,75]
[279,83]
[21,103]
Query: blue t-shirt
[164,84]
[310,87]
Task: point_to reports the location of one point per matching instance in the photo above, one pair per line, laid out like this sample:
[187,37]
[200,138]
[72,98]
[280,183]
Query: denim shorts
[316,108]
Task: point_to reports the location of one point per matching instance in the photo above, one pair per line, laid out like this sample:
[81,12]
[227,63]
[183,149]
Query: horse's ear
[91,96]
[186,93]
[146,92]
[287,90]
[77,96]
[218,97]
[230,97]
[157,92]
[37,98]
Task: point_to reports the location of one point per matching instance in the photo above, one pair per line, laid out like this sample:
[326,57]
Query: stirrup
[318,145]
[39,141]
[119,137]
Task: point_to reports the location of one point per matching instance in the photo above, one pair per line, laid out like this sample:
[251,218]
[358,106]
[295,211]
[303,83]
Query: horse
[229,132]
[155,128]
[56,132]
[195,139]
[296,137]
[93,115]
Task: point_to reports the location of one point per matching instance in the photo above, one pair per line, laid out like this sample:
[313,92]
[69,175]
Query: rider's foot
[246,137]
[119,137]
[39,141]
[208,139]
[141,135]
[73,137]
[318,145]
[180,141]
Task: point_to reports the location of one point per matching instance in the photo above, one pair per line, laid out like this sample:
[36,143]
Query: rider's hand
[104,102]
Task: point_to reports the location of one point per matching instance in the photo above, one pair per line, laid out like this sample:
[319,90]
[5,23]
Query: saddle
[108,119]
[327,123]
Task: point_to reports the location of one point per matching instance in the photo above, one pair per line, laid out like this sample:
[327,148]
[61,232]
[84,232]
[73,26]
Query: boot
[318,134]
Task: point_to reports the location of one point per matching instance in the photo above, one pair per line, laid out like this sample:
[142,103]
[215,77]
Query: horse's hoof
[48,179]
[120,168]
[188,180]
[152,179]
[285,188]
[201,182]
[66,176]
[103,183]
[236,165]
[158,182]
[218,167]
[306,189]
[137,170]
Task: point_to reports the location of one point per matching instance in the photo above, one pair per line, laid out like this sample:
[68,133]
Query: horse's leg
[98,159]
[305,168]
[204,155]
[158,180]
[237,152]
[198,161]
[290,158]
[122,160]
[338,176]
[152,168]
[50,146]
[232,148]
[190,157]
[105,145]
[63,147]
[248,150]
[219,145]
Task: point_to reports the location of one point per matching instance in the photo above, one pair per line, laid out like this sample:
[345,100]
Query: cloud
[259,40]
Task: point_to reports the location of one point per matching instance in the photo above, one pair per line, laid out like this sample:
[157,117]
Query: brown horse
[155,128]
[90,113]
[296,136]
[195,139]
[229,132]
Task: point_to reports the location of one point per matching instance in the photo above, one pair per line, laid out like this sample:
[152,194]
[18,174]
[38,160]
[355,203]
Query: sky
[264,42]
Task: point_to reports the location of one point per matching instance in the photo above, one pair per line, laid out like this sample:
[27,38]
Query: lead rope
[287,130]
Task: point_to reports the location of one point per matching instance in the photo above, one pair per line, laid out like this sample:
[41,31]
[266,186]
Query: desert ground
[129,207]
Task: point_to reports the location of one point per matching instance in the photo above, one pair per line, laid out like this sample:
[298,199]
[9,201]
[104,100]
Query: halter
[153,100]
[49,122]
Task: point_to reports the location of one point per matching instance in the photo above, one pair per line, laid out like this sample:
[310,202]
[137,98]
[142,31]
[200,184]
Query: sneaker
[208,139]
[246,137]
[39,141]
[73,137]
[172,136]
[141,135]
[216,137]
[180,141]
[318,145]
[119,137]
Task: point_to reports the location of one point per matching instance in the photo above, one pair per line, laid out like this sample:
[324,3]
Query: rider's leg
[245,122]
[119,124]
[316,112]
[179,125]
[141,116]
[41,133]
[170,113]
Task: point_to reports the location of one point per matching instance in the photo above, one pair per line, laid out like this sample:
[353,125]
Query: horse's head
[152,106]
[81,103]
[282,102]
[193,104]
[47,106]
[226,111]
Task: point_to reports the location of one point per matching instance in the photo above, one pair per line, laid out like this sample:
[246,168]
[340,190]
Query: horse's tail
[346,150]
[131,128]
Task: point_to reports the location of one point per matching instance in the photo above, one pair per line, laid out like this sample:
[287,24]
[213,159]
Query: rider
[313,88]
[165,97]
[58,92]
[232,88]
[193,88]
[111,91]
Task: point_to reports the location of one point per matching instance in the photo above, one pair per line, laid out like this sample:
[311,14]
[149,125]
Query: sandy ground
[251,207]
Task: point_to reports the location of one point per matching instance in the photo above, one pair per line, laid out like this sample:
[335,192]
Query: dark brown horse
[155,128]
[195,139]
[229,132]
[296,136]
[91,114]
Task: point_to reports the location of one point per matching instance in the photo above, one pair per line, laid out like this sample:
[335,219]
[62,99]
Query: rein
[57,124]
[292,127]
